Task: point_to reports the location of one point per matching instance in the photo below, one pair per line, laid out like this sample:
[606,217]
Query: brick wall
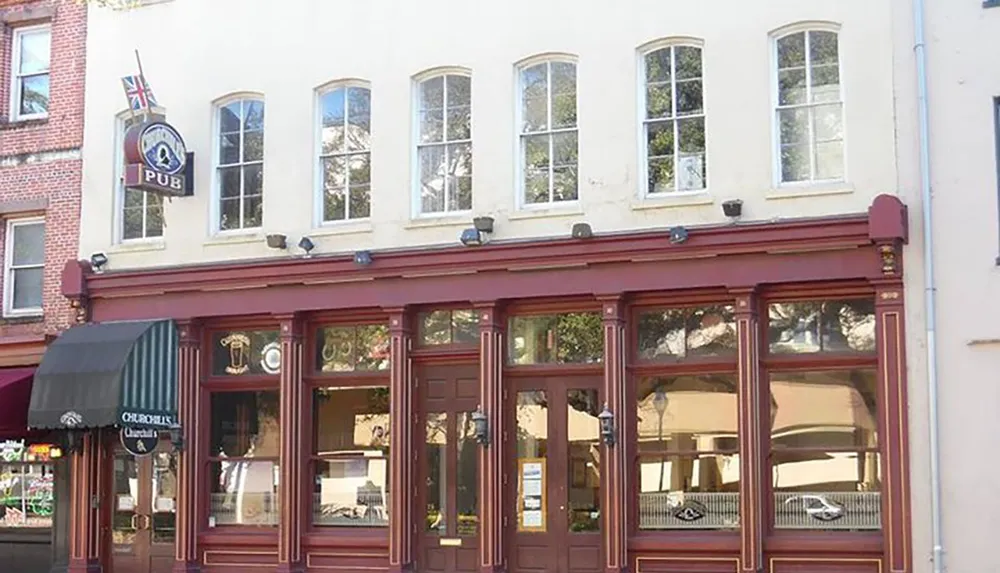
[40,166]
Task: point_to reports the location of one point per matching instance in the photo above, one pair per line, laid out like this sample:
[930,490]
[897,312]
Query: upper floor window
[345,153]
[444,144]
[140,213]
[240,164]
[810,111]
[24,267]
[547,125]
[674,120]
[30,72]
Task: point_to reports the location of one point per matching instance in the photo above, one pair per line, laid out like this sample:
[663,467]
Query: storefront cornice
[714,254]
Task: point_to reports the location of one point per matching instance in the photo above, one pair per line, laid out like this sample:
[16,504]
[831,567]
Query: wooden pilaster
[615,466]
[491,507]
[751,438]
[188,378]
[891,340]
[403,489]
[87,469]
[292,403]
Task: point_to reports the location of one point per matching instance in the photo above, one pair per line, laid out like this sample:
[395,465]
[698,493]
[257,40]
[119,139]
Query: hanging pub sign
[139,441]
[156,160]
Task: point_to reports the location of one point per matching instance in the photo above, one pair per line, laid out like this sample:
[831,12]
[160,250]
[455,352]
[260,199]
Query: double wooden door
[555,490]
[143,513]
[552,472]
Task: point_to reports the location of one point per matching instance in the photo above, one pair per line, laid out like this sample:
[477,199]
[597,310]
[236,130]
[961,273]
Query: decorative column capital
[189,332]
[399,320]
[489,315]
[745,300]
[612,308]
[290,326]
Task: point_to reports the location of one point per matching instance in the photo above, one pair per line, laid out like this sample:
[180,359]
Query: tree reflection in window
[352,348]
[570,338]
[687,332]
[822,326]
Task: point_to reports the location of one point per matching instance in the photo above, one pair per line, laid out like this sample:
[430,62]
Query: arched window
[240,163]
[809,107]
[673,120]
[547,125]
[444,143]
[345,152]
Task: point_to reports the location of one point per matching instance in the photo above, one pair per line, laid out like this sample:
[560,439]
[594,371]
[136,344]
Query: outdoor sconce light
[363,258]
[582,231]
[607,420]
[74,441]
[482,426]
[277,241]
[177,438]
[306,244]
[732,208]
[479,233]
[98,260]
[678,235]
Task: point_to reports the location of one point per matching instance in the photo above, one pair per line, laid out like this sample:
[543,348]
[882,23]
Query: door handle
[147,522]
[133,523]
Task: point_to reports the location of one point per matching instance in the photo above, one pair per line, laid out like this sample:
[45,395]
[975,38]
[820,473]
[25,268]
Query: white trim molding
[16,75]
[215,210]
[10,269]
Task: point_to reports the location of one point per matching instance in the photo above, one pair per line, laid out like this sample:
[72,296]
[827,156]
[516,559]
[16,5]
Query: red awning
[15,395]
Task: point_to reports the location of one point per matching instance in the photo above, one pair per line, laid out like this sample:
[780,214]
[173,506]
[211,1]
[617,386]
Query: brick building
[42,66]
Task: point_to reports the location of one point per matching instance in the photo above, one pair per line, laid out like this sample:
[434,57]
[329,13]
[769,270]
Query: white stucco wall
[195,52]
[963,49]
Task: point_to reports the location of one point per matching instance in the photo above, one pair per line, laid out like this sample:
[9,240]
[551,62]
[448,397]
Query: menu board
[531,494]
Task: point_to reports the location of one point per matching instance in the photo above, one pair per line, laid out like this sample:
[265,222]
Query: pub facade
[621,403]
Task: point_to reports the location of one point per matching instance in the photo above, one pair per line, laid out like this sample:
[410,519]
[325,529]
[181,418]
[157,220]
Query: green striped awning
[108,374]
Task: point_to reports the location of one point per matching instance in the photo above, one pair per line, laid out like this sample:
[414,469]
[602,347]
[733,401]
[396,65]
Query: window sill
[573,209]
[463,219]
[235,238]
[23,317]
[698,199]
[25,123]
[804,191]
[343,228]
[139,246]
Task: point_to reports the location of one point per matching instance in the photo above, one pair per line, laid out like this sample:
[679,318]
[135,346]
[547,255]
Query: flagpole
[142,77]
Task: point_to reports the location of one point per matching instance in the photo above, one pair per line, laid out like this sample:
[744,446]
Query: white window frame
[215,209]
[319,195]
[8,269]
[806,27]
[15,72]
[519,202]
[119,183]
[669,43]
[417,211]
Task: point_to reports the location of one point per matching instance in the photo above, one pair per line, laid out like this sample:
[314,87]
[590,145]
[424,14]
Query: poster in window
[531,515]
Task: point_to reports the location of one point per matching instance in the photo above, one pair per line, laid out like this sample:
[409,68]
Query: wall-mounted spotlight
[277,241]
[479,233]
[483,224]
[363,258]
[306,244]
[481,425]
[98,260]
[607,420]
[733,208]
[582,231]
[678,235]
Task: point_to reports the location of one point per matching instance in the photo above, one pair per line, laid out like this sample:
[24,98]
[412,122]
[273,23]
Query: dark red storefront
[735,402]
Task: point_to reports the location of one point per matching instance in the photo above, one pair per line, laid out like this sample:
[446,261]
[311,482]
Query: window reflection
[449,327]
[824,450]
[532,452]
[351,452]
[352,348]
[436,452]
[244,448]
[583,431]
[687,333]
[822,326]
[688,444]
[571,338]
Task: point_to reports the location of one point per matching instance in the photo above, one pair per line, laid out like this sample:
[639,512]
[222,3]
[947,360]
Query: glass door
[557,473]
[143,512]
[449,462]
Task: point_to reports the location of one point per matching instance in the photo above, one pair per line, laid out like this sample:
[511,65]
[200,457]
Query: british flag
[140,96]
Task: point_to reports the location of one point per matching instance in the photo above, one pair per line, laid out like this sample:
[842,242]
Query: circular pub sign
[139,441]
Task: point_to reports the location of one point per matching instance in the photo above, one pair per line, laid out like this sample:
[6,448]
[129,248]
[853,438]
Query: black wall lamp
[678,235]
[277,241]
[73,441]
[306,244]
[482,426]
[363,258]
[177,438]
[479,233]
[98,260]
[733,208]
[607,420]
